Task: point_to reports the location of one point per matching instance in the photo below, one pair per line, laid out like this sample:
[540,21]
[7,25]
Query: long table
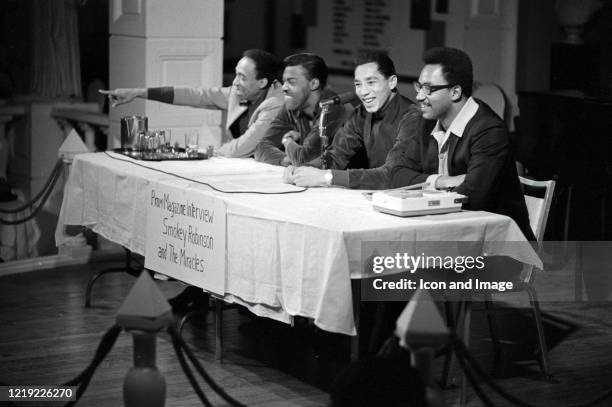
[287,254]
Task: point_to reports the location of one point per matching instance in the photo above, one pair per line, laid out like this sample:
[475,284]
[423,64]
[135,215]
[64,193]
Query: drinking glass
[166,140]
[154,142]
[142,141]
[192,140]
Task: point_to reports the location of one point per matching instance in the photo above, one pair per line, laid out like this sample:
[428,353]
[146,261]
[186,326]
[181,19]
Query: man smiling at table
[462,144]
[293,136]
[251,102]
[362,151]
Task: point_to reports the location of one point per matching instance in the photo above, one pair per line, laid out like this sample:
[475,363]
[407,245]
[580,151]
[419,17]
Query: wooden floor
[48,337]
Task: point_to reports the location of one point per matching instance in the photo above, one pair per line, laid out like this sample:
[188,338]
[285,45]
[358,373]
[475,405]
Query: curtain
[56,68]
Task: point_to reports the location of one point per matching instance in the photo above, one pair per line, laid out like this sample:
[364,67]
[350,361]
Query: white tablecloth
[288,255]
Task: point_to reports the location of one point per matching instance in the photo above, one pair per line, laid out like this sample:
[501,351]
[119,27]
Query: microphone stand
[323,135]
[324,105]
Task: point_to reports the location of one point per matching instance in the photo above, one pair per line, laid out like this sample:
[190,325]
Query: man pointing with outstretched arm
[251,103]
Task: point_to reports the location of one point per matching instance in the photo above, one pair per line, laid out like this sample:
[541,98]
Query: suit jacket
[227,100]
[483,154]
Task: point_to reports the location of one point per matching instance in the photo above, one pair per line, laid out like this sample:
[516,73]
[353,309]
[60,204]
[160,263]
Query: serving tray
[178,155]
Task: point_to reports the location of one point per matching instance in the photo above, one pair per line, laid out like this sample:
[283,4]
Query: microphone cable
[206,183]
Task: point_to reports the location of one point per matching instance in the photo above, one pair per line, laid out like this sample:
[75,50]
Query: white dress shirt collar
[457,128]
[466,114]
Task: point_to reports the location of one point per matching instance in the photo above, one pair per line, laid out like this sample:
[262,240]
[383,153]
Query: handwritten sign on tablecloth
[185,236]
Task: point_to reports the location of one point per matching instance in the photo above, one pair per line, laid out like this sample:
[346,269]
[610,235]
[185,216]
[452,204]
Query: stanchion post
[144,312]
[144,385]
[421,329]
[74,247]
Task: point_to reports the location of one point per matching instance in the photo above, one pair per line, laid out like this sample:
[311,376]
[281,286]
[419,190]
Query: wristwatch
[285,139]
[328,177]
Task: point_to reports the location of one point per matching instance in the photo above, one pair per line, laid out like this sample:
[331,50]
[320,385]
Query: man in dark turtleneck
[362,151]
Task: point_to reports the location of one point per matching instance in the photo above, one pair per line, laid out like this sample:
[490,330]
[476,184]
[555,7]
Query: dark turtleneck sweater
[362,152]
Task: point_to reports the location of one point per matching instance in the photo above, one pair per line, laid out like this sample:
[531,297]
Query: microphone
[340,99]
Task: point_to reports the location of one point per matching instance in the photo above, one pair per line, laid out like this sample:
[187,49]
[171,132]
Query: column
[162,43]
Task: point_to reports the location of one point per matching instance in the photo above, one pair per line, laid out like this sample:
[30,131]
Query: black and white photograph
[341,203]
